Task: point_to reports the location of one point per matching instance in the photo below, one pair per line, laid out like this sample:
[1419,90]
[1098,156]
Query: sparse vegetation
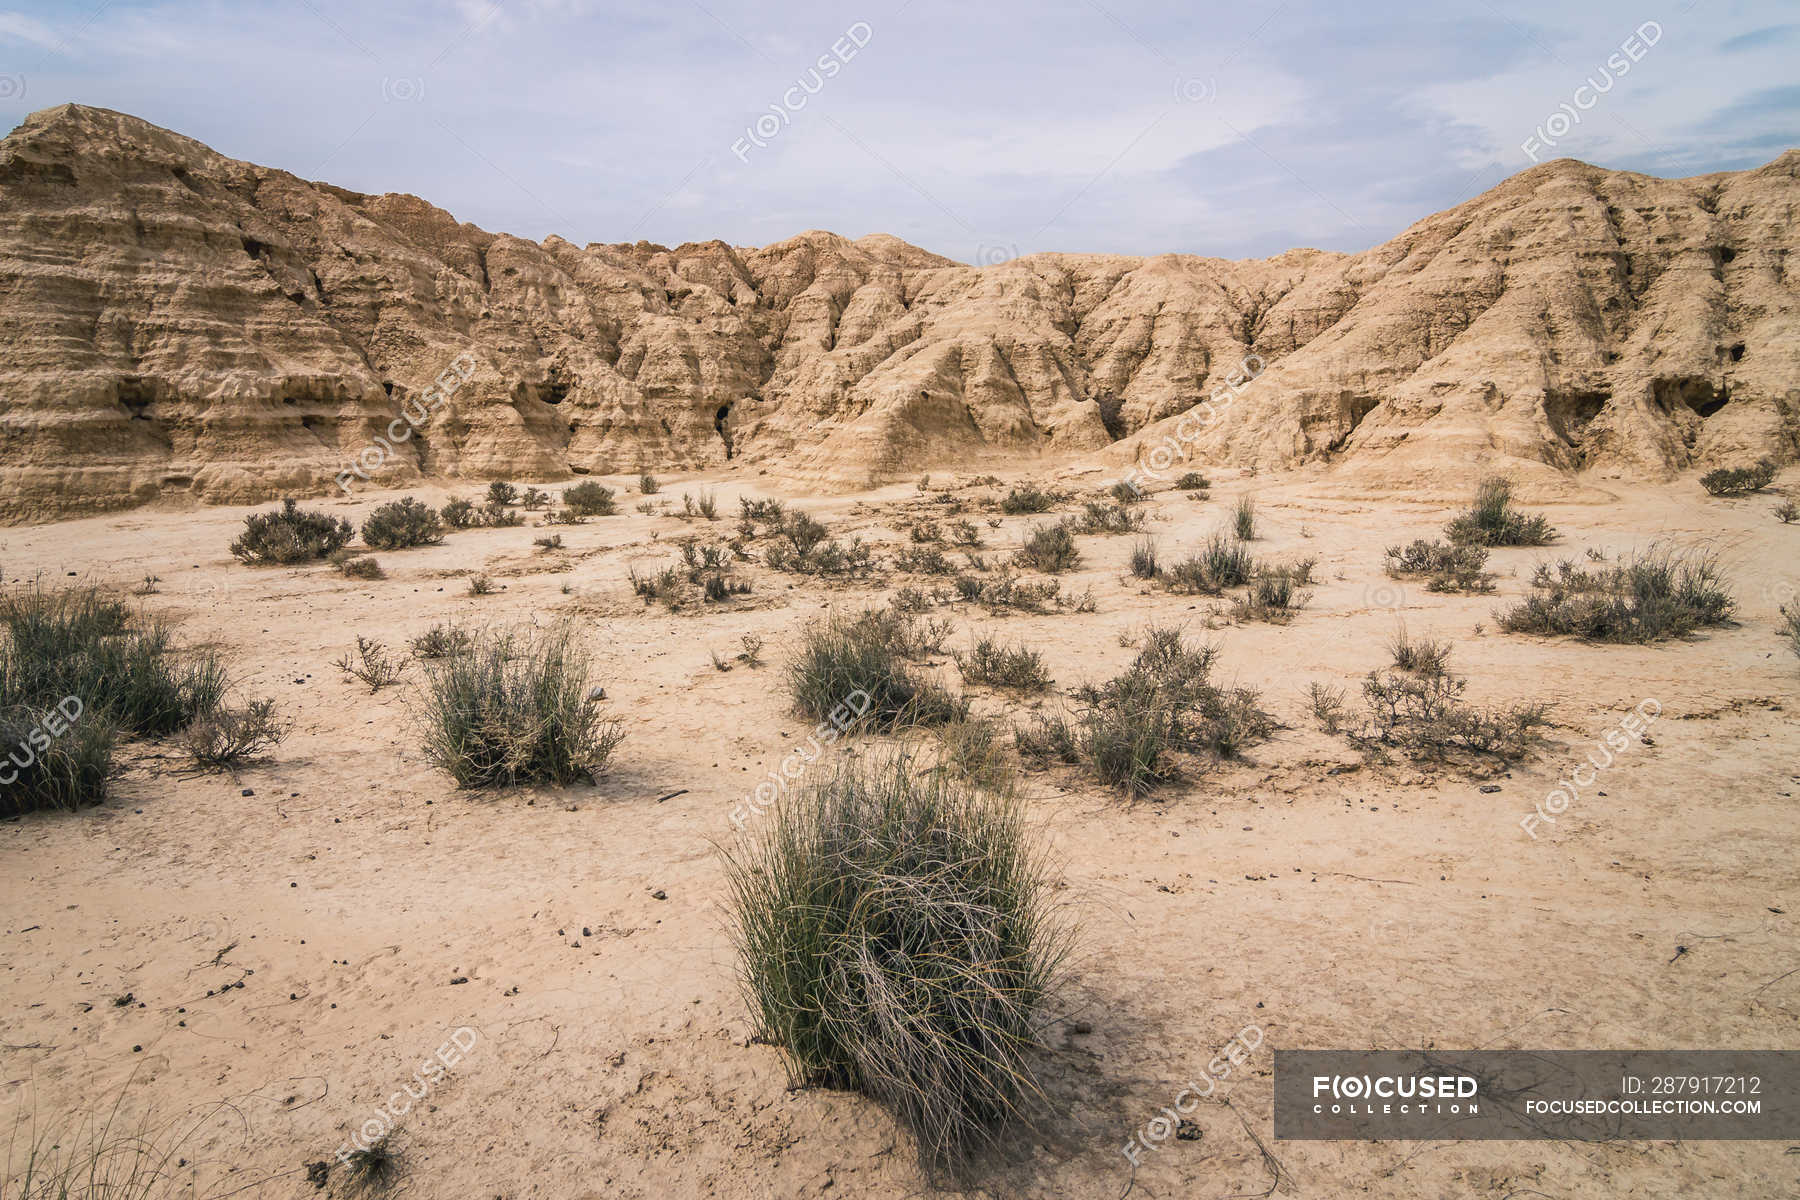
[1243,519]
[376,1167]
[1143,559]
[513,708]
[1030,499]
[68,758]
[534,499]
[1134,731]
[1274,597]
[589,499]
[1193,481]
[289,534]
[1648,597]
[231,737]
[356,566]
[1422,714]
[402,524]
[1011,668]
[647,485]
[372,664]
[1444,566]
[1221,563]
[1493,521]
[842,657]
[1787,512]
[1050,549]
[481,585]
[1427,656]
[1098,517]
[1790,628]
[1328,706]
[121,666]
[898,936]
[1740,481]
[501,494]
[553,542]
[441,641]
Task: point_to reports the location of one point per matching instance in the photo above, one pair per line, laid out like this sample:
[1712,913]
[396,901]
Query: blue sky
[976,128]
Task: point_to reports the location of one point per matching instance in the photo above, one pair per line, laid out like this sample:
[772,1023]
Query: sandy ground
[297,940]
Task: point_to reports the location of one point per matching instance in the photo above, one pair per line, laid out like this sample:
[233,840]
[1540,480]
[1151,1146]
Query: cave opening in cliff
[1698,395]
[722,429]
[1570,413]
[1112,416]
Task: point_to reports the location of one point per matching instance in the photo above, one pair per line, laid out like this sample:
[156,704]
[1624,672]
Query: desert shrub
[552,542]
[564,516]
[460,514]
[1143,559]
[52,760]
[1423,715]
[923,560]
[1787,512]
[401,524]
[1275,596]
[441,641]
[1740,481]
[925,532]
[1012,668]
[372,664]
[374,1168]
[1134,730]
[1223,562]
[1493,521]
[495,515]
[1050,548]
[230,737]
[1193,481]
[1446,567]
[481,585]
[964,532]
[974,750]
[751,655]
[1030,499]
[1243,519]
[706,506]
[1648,597]
[589,499]
[534,499]
[1097,517]
[843,656]
[1327,706]
[513,708]
[1426,656]
[771,511]
[356,566]
[123,667]
[1006,592]
[647,485]
[1790,628]
[898,936]
[289,534]
[500,494]
[803,532]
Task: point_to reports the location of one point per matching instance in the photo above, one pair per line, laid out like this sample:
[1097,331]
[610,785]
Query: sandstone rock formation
[176,322]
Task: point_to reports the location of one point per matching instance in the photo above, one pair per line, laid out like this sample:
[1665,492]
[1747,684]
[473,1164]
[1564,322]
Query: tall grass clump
[1649,597]
[863,661]
[49,761]
[1030,499]
[898,935]
[124,667]
[1011,668]
[1493,521]
[513,708]
[402,524]
[289,534]
[1243,519]
[1223,562]
[98,1156]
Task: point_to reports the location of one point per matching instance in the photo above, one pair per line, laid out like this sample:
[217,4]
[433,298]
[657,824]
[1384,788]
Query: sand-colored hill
[174,322]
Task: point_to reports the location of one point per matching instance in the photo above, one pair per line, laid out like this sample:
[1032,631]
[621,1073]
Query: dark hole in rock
[1726,254]
[1570,413]
[1112,407]
[1696,394]
[575,470]
[553,391]
[178,481]
[724,431]
[137,396]
[1737,352]
[254,248]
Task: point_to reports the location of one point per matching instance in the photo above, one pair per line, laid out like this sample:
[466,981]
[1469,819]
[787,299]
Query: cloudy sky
[976,128]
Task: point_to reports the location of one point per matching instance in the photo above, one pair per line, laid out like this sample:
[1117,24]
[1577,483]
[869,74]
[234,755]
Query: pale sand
[1382,907]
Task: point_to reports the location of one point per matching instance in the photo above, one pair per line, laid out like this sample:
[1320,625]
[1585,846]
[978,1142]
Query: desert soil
[297,939]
